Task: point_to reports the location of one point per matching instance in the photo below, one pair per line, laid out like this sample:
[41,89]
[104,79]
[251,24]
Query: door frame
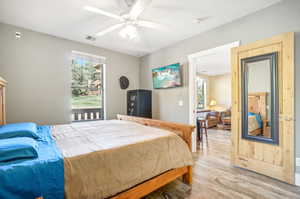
[192,80]
[286,172]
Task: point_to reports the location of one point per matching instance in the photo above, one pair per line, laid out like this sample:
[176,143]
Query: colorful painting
[167,76]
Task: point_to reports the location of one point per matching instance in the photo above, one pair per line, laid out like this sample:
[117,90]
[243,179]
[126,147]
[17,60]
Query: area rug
[174,190]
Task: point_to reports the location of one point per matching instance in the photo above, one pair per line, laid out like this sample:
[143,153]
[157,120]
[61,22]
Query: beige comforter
[104,158]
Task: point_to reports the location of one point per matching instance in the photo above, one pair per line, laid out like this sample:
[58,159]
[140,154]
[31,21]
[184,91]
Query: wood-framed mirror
[260,117]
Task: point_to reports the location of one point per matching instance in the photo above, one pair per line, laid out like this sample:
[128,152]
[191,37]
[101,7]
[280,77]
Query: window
[201,93]
[87,87]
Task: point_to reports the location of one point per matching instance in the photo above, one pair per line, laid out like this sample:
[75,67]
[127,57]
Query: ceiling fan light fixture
[129,19]
[129,32]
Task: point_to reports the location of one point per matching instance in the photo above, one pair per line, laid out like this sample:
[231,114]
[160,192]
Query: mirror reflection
[259,89]
[260,98]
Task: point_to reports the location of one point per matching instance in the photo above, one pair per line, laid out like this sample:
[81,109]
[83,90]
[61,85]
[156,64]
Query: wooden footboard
[151,185]
[183,130]
[141,190]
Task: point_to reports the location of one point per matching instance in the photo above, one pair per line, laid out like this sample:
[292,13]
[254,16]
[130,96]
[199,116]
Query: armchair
[212,119]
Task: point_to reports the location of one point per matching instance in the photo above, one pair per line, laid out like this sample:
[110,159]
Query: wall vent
[90,38]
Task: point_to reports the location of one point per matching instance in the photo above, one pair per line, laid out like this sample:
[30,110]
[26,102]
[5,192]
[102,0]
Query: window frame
[204,90]
[99,61]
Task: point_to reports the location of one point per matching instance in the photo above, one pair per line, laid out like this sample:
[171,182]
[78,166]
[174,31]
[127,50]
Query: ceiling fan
[129,21]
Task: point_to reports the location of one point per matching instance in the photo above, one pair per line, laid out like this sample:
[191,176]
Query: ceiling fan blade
[110,29]
[102,12]
[122,5]
[138,8]
[150,24]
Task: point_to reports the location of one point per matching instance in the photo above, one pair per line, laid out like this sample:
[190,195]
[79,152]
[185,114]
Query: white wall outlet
[297,162]
[18,35]
[180,103]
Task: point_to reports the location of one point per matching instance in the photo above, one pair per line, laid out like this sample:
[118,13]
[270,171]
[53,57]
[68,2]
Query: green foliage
[89,101]
[82,73]
[86,88]
[201,93]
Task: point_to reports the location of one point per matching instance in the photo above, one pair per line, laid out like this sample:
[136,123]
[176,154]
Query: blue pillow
[27,129]
[17,149]
[258,118]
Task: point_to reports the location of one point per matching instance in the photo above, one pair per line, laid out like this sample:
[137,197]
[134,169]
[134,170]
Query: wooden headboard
[2,101]
[257,103]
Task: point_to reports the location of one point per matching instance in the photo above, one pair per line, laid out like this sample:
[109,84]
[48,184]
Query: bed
[257,114]
[124,158]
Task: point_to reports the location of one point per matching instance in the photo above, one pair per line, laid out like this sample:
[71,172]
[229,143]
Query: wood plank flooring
[215,178]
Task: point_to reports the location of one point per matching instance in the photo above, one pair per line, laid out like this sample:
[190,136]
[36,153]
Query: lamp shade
[213,103]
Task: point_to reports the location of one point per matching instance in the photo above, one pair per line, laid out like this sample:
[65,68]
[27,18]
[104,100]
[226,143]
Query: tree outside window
[201,93]
[86,84]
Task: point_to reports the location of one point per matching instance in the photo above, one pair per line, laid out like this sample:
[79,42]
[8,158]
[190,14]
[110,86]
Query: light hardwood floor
[215,178]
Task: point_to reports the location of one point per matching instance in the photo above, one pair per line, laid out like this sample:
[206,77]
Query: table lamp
[212,103]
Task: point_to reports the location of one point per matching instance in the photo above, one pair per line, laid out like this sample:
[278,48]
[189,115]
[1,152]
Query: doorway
[210,87]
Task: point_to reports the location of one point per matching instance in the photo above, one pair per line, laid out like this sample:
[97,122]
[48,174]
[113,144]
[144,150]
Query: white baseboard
[297,179]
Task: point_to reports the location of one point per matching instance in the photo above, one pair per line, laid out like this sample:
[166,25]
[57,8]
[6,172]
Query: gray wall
[220,90]
[37,68]
[282,17]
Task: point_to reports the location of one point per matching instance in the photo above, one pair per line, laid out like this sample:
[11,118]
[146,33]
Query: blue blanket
[41,177]
[258,119]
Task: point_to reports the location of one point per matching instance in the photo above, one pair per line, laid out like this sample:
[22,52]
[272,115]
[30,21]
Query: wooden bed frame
[257,103]
[143,189]
[2,101]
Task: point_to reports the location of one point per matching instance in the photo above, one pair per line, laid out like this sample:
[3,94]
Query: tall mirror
[260,98]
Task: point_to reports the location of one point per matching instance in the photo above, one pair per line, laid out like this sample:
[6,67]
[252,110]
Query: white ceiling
[214,64]
[215,61]
[68,19]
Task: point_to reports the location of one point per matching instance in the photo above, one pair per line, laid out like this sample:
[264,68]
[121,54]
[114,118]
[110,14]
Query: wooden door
[2,101]
[274,160]
[1,106]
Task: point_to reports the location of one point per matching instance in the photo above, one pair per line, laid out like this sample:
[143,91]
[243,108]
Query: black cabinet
[139,103]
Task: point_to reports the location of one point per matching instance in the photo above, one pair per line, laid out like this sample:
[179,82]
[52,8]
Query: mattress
[104,158]
[252,123]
